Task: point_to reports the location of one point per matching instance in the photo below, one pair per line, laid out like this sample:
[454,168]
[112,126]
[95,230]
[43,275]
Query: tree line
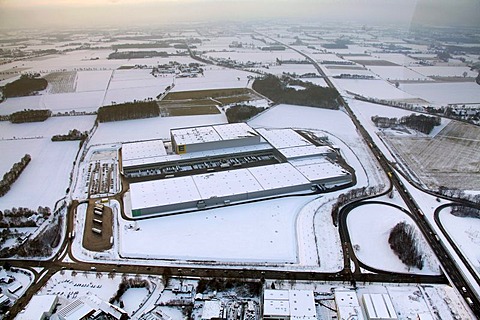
[420,122]
[30,116]
[277,90]
[241,112]
[127,111]
[403,241]
[12,175]
[463,211]
[72,135]
[28,84]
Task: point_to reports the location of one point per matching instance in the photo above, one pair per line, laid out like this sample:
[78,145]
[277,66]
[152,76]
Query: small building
[212,310]
[348,306]
[40,307]
[379,307]
[15,287]
[289,304]
[4,300]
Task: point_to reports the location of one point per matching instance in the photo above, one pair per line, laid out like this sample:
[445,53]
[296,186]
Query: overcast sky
[93,13]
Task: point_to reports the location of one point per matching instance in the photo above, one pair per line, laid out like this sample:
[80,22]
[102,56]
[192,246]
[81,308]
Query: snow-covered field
[465,231]
[444,93]
[46,129]
[93,80]
[46,177]
[369,226]
[397,73]
[379,89]
[444,71]
[262,232]
[151,128]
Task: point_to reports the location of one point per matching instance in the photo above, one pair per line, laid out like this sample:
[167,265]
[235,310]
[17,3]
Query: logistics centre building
[218,165]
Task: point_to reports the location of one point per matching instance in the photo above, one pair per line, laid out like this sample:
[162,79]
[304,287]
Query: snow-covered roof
[278,176]
[163,192]
[283,138]
[348,306]
[195,155]
[231,131]
[321,170]
[212,310]
[302,305]
[195,135]
[379,306]
[279,308]
[38,307]
[215,184]
[224,183]
[305,151]
[275,294]
[143,149]
[75,310]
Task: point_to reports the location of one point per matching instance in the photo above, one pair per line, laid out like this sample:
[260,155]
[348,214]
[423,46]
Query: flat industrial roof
[283,138]
[302,305]
[212,309]
[143,149]
[379,306]
[194,155]
[186,136]
[305,151]
[163,192]
[321,170]
[276,308]
[214,184]
[348,306]
[271,294]
[278,176]
[37,307]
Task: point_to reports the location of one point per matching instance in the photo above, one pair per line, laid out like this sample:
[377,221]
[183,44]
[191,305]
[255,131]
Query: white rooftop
[321,170]
[224,183]
[305,151]
[278,176]
[284,138]
[195,135]
[143,149]
[211,309]
[379,306]
[38,306]
[163,192]
[276,308]
[275,294]
[302,305]
[194,155]
[348,306]
[215,184]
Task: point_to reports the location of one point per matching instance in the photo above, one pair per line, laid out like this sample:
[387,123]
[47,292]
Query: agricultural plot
[373,62]
[445,71]
[444,93]
[397,73]
[449,159]
[379,89]
[93,80]
[61,82]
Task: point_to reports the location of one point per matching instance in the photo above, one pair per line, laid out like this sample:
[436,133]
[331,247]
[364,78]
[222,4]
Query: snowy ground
[151,128]
[379,89]
[261,232]
[465,232]
[46,177]
[444,93]
[369,227]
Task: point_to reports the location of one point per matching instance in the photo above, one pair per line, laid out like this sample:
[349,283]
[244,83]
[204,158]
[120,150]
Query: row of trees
[419,122]
[463,211]
[28,84]
[220,284]
[127,111]
[403,241]
[277,90]
[21,217]
[71,136]
[12,175]
[459,194]
[352,194]
[30,115]
[241,112]
[137,54]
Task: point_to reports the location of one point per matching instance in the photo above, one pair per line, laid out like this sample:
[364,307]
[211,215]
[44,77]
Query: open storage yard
[450,159]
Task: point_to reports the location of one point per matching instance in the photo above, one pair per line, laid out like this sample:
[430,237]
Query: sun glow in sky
[93,13]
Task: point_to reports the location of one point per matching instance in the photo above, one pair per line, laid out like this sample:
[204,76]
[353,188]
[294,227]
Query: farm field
[61,82]
[444,93]
[449,159]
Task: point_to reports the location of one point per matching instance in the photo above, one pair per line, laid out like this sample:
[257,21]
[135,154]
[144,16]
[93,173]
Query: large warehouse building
[218,165]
